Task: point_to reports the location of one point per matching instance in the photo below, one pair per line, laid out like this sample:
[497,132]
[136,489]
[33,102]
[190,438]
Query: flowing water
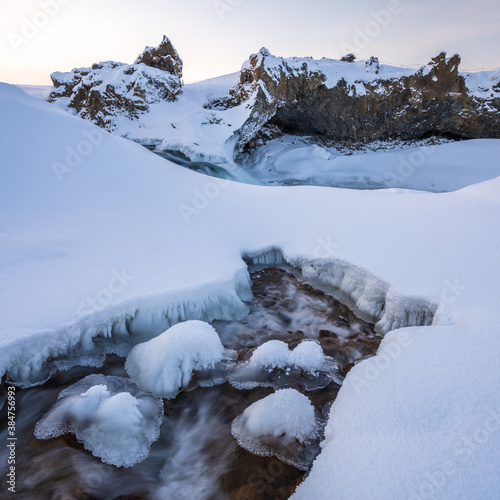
[227,171]
[196,457]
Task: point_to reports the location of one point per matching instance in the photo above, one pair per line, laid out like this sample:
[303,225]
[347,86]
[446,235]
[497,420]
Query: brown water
[196,456]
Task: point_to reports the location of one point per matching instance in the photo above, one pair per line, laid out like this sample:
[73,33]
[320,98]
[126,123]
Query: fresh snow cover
[123,244]
[40,91]
[353,73]
[307,356]
[284,424]
[184,125]
[113,419]
[272,364]
[286,413]
[271,354]
[164,365]
[291,160]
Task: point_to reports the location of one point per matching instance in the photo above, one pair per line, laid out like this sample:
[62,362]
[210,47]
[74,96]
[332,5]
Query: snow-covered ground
[39,91]
[100,237]
[292,160]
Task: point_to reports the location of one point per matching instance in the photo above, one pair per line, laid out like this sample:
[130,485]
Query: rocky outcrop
[109,89]
[163,57]
[358,102]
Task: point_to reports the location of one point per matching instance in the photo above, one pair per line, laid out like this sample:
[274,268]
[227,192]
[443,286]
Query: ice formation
[114,420]
[284,424]
[273,365]
[166,364]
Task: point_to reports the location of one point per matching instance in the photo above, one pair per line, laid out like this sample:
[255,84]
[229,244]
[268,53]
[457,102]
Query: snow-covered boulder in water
[111,89]
[114,420]
[166,364]
[273,365]
[284,424]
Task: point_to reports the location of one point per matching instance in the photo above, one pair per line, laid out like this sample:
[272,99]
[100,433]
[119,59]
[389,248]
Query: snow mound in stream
[286,413]
[273,365]
[113,419]
[284,424]
[166,364]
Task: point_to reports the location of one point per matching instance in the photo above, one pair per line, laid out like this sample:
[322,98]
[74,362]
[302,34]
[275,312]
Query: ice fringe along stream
[119,327]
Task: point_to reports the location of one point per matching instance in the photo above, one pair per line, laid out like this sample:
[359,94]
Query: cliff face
[352,102]
[109,89]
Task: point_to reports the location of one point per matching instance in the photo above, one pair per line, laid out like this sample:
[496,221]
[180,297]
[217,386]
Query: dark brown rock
[163,57]
[85,89]
[348,58]
[431,101]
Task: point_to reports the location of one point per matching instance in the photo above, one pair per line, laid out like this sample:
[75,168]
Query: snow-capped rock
[114,420]
[166,364]
[364,101]
[109,89]
[284,424]
[272,364]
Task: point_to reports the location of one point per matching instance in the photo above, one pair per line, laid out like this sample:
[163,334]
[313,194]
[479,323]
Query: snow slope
[40,91]
[101,237]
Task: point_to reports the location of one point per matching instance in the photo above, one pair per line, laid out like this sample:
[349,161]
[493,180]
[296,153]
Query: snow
[272,354]
[437,168]
[307,356]
[272,364]
[286,413]
[109,415]
[165,364]
[284,424]
[40,91]
[105,253]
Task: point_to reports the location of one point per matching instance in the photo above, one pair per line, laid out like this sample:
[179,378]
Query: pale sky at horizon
[214,37]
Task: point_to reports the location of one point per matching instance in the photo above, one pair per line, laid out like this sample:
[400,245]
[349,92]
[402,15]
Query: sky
[214,37]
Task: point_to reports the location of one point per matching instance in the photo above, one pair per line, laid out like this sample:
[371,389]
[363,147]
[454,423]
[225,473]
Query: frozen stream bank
[196,456]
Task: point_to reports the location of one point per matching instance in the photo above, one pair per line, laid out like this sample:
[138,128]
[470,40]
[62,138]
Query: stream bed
[196,456]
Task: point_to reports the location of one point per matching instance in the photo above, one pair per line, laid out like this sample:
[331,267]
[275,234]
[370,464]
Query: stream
[196,456]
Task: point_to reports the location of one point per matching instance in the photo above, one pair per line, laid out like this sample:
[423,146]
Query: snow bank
[113,419]
[370,296]
[292,160]
[165,364]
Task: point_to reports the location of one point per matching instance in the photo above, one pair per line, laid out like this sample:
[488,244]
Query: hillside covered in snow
[107,245]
